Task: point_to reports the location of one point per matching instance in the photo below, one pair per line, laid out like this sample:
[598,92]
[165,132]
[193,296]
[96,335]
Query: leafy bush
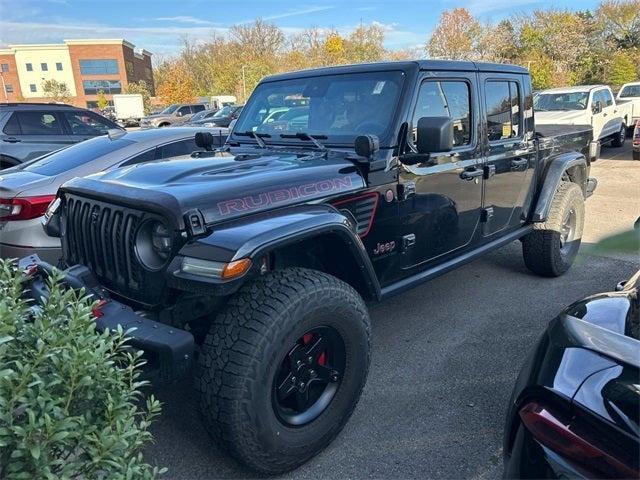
[70,397]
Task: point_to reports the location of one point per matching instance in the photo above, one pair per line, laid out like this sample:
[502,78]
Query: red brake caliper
[306,339]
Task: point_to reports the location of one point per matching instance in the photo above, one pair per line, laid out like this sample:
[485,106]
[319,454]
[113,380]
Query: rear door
[39,132]
[510,152]
[612,118]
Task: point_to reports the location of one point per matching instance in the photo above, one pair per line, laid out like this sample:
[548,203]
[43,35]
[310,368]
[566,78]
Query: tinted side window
[446,99]
[12,127]
[39,123]
[147,156]
[184,110]
[175,149]
[86,123]
[607,98]
[197,108]
[503,110]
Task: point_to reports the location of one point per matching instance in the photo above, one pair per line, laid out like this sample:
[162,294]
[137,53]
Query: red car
[636,141]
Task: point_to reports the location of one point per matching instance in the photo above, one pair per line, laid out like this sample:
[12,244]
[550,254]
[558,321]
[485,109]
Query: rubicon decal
[283,195]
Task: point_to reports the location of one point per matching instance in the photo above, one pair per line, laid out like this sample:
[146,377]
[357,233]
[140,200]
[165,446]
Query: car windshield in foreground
[630,91]
[169,110]
[545,102]
[75,155]
[336,107]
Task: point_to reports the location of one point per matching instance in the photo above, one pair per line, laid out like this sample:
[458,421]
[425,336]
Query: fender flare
[257,235]
[557,167]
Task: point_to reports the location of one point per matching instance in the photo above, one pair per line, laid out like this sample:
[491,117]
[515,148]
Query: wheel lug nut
[310,360]
[293,379]
[312,373]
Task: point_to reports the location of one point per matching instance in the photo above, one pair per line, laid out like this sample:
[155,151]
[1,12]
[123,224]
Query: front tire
[552,247]
[289,336]
[620,138]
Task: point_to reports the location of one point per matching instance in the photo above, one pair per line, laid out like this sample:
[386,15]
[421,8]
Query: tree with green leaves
[56,91]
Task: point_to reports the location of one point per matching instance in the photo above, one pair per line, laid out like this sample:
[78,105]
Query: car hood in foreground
[226,185]
[19,181]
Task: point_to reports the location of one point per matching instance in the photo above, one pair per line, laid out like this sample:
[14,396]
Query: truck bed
[554,139]
[546,131]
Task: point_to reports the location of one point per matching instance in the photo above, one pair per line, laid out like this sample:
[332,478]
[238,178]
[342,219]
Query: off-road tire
[244,348]
[620,137]
[542,249]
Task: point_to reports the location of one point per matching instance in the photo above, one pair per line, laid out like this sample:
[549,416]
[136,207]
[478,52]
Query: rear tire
[552,247]
[240,369]
[621,136]
[636,154]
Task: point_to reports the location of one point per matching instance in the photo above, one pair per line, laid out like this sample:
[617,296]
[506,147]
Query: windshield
[199,115]
[337,107]
[630,91]
[170,109]
[75,155]
[224,111]
[543,102]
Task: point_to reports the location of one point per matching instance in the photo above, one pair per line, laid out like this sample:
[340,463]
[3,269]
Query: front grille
[101,236]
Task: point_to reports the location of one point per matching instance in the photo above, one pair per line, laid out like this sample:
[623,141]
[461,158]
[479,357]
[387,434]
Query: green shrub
[70,398]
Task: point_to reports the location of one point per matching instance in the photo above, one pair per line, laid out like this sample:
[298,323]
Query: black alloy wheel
[309,376]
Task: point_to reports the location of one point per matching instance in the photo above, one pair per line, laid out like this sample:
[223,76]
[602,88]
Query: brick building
[85,66]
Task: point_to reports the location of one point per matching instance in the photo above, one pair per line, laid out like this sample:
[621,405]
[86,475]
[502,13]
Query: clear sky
[158,25]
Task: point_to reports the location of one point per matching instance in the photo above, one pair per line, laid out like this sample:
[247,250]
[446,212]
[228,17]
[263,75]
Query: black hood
[226,185]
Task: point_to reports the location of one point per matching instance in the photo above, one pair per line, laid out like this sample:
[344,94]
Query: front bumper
[169,351]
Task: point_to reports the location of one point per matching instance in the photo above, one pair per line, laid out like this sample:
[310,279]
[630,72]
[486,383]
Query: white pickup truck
[629,93]
[585,105]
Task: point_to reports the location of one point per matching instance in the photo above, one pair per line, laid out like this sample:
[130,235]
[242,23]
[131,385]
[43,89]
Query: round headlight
[154,244]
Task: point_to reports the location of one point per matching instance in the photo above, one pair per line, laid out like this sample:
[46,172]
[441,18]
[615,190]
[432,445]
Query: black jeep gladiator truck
[255,260]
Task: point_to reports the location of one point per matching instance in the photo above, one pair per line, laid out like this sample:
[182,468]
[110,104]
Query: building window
[43,67]
[32,88]
[147,72]
[5,67]
[92,87]
[59,66]
[98,67]
[8,88]
[128,65]
[29,67]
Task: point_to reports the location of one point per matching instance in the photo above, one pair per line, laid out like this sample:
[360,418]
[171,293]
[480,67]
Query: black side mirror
[367,145]
[597,107]
[204,140]
[434,135]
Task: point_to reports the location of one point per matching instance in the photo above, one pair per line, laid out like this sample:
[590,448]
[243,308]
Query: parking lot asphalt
[445,357]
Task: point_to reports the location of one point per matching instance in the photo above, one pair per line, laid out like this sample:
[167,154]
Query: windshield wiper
[306,136]
[257,136]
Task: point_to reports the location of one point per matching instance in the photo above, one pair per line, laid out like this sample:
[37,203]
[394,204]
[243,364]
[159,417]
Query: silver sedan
[26,190]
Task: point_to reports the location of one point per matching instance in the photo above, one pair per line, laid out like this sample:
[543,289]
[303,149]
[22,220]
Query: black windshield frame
[387,137]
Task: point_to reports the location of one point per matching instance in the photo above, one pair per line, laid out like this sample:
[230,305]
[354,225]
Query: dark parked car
[575,410]
[224,116]
[29,130]
[176,113]
[264,252]
[197,119]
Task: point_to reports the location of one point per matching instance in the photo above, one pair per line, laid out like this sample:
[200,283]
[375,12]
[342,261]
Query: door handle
[518,164]
[11,140]
[471,174]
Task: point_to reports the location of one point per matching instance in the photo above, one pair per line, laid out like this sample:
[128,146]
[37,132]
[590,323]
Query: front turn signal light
[236,268]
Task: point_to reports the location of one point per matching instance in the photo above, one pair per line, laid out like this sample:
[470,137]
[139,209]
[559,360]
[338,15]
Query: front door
[441,197]
[511,152]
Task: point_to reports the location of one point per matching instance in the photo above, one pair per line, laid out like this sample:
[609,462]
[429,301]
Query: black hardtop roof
[436,65]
